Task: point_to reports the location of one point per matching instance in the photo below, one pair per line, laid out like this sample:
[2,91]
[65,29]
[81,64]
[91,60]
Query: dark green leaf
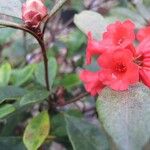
[36,131]
[11,93]
[70,80]
[126,116]
[59,123]
[40,72]
[34,97]
[11,143]
[84,135]
[6,109]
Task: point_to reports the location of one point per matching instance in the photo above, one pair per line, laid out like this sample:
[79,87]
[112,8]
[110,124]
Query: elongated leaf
[36,131]
[6,109]
[21,76]
[5,72]
[33,97]
[11,143]
[11,93]
[90,21]
[11,8]
[70,80]
[52,70]
[85,136]
[126,116]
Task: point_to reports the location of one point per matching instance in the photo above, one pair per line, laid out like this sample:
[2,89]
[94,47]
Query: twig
[45,64]
[78,98]
[40,41]
[55,9]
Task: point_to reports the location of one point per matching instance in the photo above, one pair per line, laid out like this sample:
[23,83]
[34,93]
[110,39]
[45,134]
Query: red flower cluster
[121,63]
[33,11]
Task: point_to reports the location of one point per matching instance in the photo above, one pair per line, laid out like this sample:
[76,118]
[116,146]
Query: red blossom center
[120,67]
[120,41]
[139,60]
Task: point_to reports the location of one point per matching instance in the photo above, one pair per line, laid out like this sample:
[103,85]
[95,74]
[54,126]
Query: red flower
[119,34]
[33,11]
[93,48]
[143,33]
[143,60]
[91,81]
[118,69]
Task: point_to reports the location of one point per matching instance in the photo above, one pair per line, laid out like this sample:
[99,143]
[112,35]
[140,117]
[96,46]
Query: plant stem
[45,64]
[79,97]
[40,41]
[56,8]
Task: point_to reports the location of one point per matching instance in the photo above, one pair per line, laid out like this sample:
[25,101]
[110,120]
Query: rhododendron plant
[121,63]
[61,98]
[33,11]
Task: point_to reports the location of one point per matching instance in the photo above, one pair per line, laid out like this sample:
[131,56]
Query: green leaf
[40,72]
[126,13]
[34,97]
[84,135]
[21,76]
[6,109]
[5,72]
[70,80]
[59,123]
[71,40]
[11,143]
[11,8]
[90,21]
[126,116]
[11,93]
[36,131]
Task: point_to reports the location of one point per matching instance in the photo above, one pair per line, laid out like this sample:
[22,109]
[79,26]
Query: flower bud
[33,11]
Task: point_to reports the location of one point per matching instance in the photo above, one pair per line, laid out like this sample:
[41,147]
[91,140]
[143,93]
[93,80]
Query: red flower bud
[33,11]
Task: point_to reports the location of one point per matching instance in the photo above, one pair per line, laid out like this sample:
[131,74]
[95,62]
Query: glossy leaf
[34,97]
[40,72]
[36,131]
[90,21]
[126,116]
[84,135]
[6,109]
[11,93]
[11,143]
[5,72]
[11,8]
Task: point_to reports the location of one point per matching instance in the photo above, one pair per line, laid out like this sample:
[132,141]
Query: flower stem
[45,64]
